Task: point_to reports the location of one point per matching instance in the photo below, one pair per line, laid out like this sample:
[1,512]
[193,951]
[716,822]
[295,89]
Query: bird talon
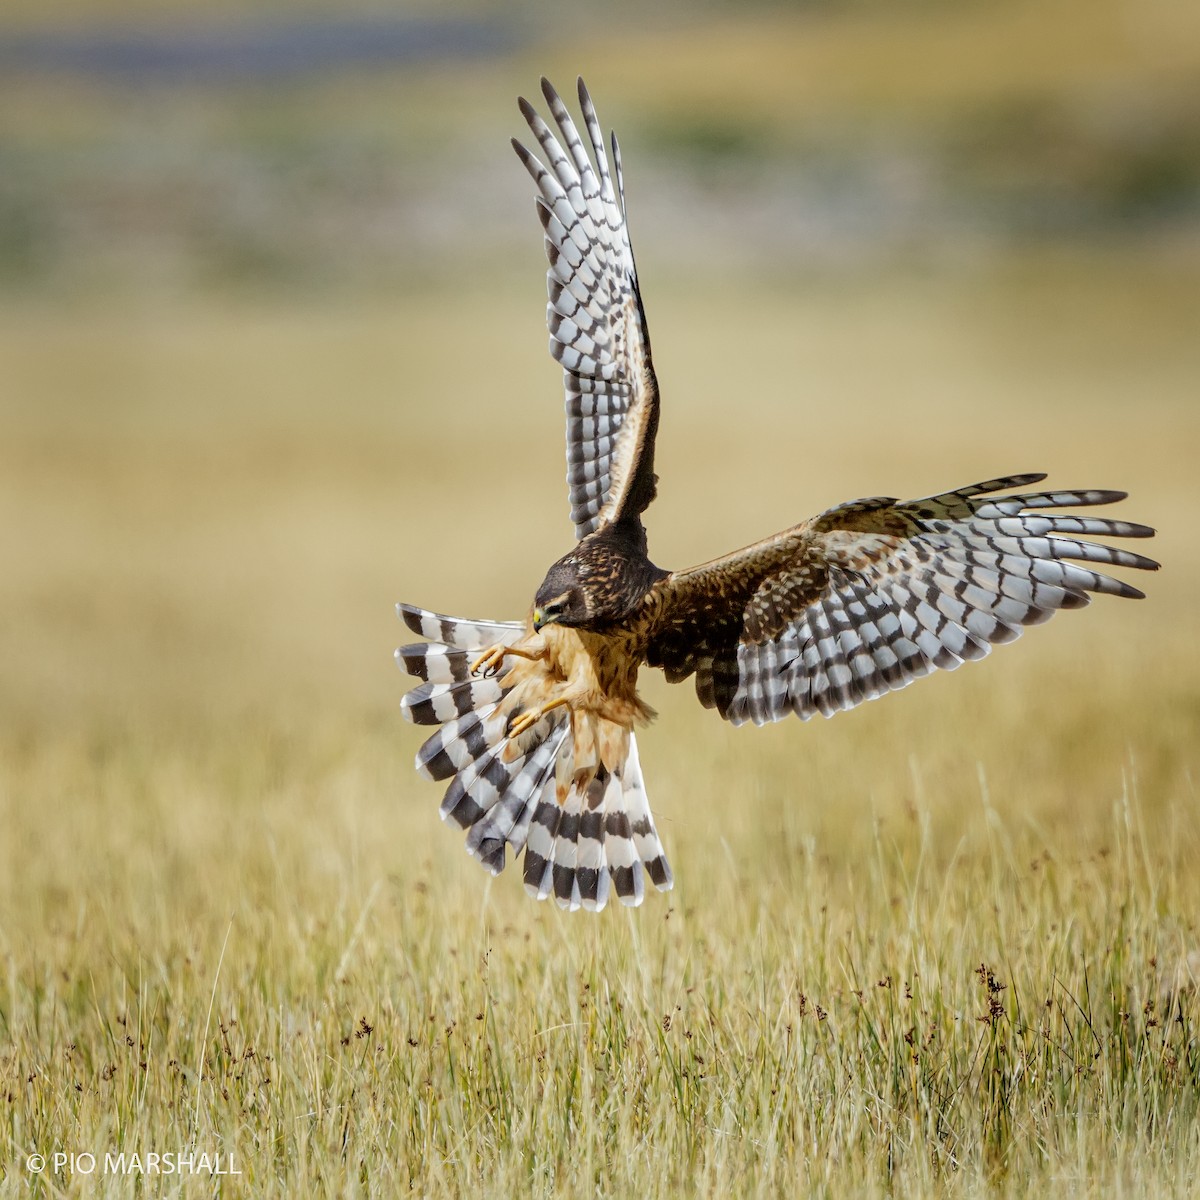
[524,722]
[489,662]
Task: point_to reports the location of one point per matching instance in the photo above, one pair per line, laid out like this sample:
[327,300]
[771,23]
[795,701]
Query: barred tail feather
[585,830]
[436,703]
[599,840]
[458,633]
[460,742]
[647,846]
[506,823]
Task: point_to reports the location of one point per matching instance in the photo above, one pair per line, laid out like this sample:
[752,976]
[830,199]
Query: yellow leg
[527,720]
[492,659]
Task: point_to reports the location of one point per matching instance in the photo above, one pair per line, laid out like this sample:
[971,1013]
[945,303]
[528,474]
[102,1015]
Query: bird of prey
[537,716]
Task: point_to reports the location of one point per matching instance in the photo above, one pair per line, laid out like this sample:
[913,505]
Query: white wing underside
[594,312]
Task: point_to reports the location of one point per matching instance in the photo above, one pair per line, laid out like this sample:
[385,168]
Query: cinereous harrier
[537,716]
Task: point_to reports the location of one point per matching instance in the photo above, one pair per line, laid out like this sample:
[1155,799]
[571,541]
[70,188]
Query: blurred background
[272,340]
[173,149]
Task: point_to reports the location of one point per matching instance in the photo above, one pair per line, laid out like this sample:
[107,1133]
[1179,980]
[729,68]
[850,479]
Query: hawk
[537,716]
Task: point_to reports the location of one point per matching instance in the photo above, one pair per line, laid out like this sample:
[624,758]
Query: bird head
[562,598]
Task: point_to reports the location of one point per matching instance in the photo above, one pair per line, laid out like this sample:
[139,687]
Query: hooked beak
[539,619]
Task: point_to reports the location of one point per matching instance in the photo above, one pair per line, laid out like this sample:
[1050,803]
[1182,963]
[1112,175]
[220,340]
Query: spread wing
[873,594]
[597,324]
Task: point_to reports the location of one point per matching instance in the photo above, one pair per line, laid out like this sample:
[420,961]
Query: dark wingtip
[527,109]
[1139,531]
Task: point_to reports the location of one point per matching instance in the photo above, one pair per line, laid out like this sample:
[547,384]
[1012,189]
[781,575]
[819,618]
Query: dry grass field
[943,944]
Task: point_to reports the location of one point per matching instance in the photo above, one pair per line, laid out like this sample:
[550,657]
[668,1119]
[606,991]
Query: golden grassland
[943,944]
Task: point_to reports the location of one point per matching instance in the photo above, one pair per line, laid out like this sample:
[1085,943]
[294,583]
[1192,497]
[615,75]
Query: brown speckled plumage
[537,717]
